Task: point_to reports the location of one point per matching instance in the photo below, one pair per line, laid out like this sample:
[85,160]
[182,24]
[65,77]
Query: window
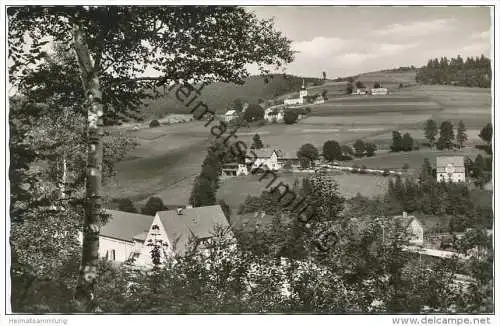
[107,255]
[113,254]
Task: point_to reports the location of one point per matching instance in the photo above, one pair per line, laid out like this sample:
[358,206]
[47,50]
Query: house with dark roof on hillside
[130,236]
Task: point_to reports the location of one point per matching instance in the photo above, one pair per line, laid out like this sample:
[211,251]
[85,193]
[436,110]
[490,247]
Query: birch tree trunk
[84,295]
[64,177]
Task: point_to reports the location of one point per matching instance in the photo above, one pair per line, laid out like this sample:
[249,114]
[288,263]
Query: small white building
[130,236]
[379,91]
[231,115]
[413,227]
[450,169]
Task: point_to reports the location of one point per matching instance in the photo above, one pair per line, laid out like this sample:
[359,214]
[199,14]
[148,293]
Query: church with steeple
[300,99]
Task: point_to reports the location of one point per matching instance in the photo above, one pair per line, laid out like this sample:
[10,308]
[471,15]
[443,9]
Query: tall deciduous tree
[114,46]
[431,131]
[407,142]
[307,154]
[254,112]
[359,148]
[332,150]
[446,135]
[397,141]
[461,134]
[257,142]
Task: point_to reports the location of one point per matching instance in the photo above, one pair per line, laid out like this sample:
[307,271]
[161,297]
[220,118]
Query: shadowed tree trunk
[84,295]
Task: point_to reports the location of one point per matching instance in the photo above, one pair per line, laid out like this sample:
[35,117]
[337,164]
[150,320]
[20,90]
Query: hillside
[219,96]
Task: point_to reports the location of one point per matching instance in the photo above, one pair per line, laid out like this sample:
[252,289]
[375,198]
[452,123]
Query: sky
[346,41]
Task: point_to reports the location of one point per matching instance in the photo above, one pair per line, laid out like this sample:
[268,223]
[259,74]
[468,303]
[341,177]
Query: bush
[386,173]
[345,158]
[154,123]
[290,117]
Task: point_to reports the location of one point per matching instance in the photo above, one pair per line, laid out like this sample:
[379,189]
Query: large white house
[450,169]
[300,99]
[264,158]
[130,236]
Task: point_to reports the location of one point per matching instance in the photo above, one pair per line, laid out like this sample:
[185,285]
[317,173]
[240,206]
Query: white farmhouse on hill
[450,169]
[300,99]
[126,235]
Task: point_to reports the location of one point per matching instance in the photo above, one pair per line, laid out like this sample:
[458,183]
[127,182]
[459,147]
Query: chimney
[405,215]
[179,211]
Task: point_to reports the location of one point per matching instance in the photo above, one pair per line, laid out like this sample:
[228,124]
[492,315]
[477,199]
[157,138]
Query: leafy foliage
[471,72]
[307,154]
[397,141]
[254,112]
[332,150]
[370,148]
[290,117]
[446,136]
[359,148]
[257,142]
[486,133]
[407,142]
[152,206]
[431,131]
[461,136]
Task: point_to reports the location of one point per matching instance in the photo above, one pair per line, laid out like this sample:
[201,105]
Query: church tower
[303,90]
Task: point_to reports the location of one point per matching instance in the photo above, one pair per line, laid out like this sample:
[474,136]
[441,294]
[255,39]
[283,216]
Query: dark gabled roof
[125,226]
[456,161]
[264,152]
[199,222]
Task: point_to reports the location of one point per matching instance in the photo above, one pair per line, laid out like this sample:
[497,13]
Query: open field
[165,155]
[234,190]
[415,159]
[472,105]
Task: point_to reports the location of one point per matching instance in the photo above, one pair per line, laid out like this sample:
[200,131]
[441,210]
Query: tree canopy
[332,150]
